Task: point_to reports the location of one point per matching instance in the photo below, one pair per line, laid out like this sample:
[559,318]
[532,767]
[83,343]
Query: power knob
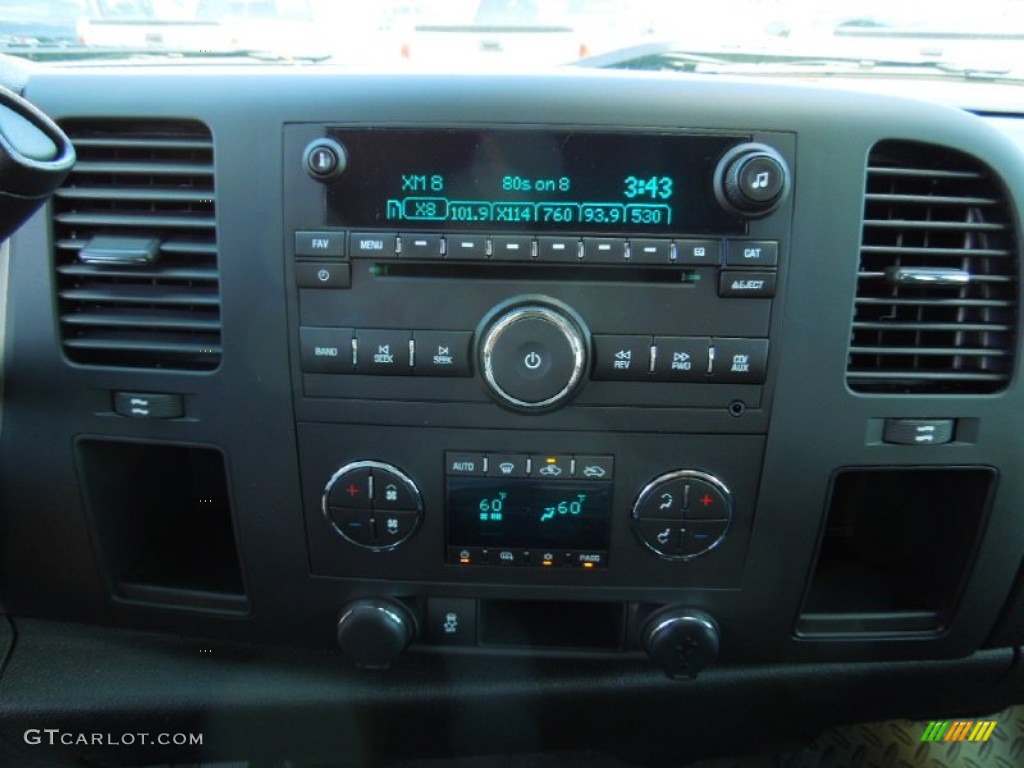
[533,356]
[751,180]
[681,641]
[373,633]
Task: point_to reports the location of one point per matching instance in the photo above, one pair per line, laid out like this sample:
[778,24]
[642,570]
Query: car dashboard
[572,407]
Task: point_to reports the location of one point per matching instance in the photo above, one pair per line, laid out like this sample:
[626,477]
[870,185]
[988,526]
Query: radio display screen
[502,180]
[529,513]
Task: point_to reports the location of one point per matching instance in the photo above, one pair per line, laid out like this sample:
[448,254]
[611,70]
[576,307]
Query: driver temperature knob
[681,641]
[373,633]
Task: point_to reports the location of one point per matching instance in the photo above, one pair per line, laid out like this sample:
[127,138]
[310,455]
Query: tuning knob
[681,641]
[373,633]
[533,356]
[751,180]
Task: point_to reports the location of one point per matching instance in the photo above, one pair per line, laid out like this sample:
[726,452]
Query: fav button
[319,243]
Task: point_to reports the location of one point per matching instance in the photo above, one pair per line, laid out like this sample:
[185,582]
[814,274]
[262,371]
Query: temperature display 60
[526,513]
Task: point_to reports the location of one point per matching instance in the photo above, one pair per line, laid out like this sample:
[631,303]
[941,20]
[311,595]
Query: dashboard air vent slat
[936,305]
[149,181]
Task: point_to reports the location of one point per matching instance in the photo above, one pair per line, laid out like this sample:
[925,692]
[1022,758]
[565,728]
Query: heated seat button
[680,358]
[739,361]
[622,357]
[326,350]
[383,352]
[442,353]
[663,536]
[666,501]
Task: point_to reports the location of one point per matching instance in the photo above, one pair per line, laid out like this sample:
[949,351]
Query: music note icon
[760,181]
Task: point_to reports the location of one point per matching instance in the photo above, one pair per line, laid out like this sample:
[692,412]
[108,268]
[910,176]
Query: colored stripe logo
[958,730]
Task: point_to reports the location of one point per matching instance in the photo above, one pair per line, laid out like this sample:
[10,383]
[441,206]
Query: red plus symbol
[706,500]
[352,490]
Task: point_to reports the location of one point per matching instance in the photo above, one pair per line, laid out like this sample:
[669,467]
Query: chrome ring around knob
[569,330]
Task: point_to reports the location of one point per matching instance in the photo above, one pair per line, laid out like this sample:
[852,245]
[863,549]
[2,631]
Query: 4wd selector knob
[533,356]
[751,180]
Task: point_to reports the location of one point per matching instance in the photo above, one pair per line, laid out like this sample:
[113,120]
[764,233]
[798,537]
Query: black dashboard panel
[418,375]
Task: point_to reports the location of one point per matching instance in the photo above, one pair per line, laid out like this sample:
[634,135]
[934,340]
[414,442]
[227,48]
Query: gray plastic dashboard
[280,432]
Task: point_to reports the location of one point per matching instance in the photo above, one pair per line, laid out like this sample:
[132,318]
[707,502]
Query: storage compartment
[896,548]
[161,517]
[551,624]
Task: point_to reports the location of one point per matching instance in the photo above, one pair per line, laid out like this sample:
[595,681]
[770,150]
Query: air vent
[936,303]
[136,246]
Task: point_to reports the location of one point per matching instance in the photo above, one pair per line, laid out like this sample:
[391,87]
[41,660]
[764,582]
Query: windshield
[749,36]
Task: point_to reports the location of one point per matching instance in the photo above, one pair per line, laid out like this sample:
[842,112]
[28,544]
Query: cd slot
[439,270]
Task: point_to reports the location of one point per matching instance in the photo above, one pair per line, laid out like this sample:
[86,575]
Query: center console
[533,356]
